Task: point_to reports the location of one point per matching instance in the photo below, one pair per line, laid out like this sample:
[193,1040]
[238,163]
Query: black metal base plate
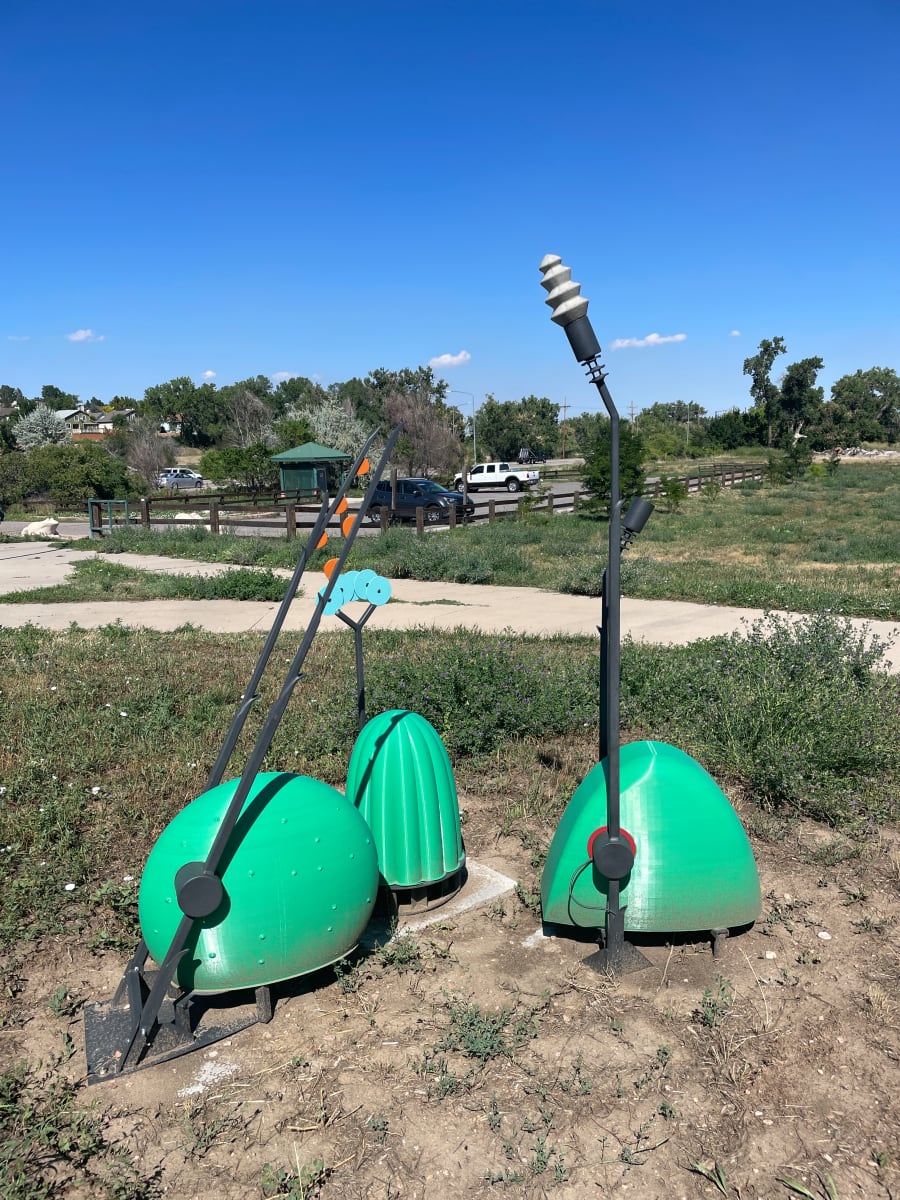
[107,1029]
[628,960]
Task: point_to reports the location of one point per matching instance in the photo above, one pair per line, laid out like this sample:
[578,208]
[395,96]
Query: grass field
[373,1077]
[830,542]
[95,579]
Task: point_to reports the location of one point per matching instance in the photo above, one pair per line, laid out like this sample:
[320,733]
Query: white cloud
[209,374]
[652,339]
[84,335]
[735,333]
[450,360]
[15,337]
[281,376]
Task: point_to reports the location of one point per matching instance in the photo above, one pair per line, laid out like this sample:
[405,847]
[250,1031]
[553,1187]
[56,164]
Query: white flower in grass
[95,791]
[70,887]
[122,713]
[2,791]
[53,689]
[128,879]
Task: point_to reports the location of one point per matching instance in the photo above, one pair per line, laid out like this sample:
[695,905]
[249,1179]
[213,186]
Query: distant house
[90,425]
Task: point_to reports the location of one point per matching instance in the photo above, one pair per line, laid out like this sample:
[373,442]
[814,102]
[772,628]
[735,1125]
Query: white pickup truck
[495,475]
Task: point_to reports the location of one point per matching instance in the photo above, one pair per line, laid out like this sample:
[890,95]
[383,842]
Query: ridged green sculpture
[401,779]
[693,869]
[300,874]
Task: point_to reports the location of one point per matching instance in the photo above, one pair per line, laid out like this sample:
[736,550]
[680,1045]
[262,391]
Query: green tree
[505,427]
[586,429]
[538,425]
[734,429]
[11,397]
[764,392]
[799,402]
[366,397]
[290,432]
[56,398]
[74,473]
[864,407]
[249,467]
[596,471]
[196,408]
[297,393]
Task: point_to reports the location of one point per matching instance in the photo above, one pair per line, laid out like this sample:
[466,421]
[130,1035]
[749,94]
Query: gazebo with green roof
[306,467]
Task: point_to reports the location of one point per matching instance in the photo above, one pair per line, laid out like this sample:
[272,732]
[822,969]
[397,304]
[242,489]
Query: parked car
[413,494]
[179,478]
[506,475]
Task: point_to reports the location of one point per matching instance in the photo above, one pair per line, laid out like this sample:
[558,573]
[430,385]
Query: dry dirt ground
[478,1060]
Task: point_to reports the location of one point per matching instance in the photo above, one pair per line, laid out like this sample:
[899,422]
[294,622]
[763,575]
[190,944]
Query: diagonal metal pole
[251,694]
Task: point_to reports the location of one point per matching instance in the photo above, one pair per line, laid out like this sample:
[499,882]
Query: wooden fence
[289,515]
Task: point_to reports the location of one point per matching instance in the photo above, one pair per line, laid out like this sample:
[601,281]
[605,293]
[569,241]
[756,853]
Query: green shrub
[674,491]
[478,691]
[797,712]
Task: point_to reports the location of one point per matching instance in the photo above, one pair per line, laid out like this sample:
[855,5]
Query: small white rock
[771,954]
[826,937]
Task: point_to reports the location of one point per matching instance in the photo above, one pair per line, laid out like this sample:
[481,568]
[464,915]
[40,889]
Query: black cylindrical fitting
[582,339]
[637,515]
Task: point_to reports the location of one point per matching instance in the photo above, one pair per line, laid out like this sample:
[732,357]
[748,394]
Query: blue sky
[277,186]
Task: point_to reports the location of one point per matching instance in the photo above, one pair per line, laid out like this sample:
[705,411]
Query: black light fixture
[612,850]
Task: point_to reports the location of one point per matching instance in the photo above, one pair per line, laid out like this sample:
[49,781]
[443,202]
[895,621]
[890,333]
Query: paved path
[415,603]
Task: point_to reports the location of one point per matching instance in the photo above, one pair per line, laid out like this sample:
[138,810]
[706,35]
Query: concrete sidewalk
[414,604]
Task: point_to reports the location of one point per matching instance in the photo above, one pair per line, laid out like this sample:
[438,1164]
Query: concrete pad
[483,886]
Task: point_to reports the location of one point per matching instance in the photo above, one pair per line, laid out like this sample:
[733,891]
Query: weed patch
[476,1033]
[50,1147]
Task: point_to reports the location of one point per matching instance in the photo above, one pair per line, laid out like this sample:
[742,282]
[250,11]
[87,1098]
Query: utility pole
[565,408]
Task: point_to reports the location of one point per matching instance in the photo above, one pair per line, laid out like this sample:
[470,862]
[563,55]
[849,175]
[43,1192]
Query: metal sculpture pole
[612,851]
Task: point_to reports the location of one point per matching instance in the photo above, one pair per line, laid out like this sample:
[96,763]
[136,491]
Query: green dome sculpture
[693,868]
[402,781]
[300,874]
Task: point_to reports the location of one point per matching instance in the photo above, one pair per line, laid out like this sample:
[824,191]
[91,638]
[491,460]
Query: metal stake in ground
[612,854]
